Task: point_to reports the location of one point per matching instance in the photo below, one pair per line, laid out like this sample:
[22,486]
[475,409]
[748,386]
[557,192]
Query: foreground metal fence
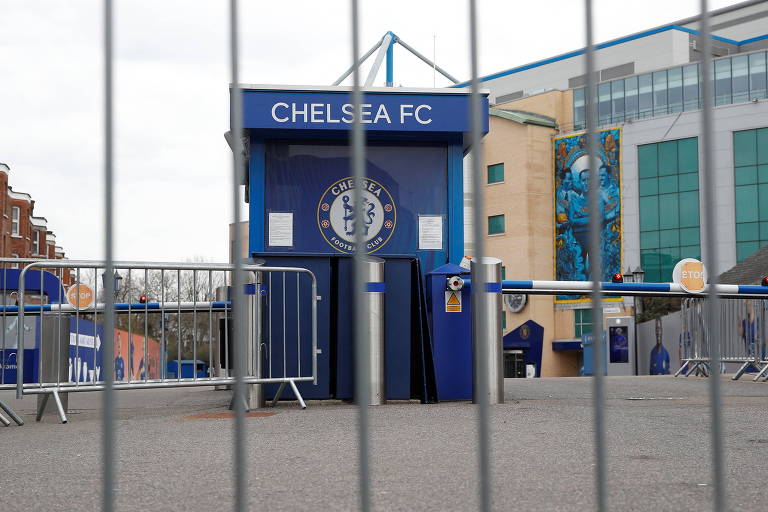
[169,329]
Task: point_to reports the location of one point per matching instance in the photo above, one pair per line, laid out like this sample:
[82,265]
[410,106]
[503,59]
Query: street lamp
[117,280]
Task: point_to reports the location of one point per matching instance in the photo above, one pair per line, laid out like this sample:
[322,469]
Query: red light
[143,299]
[765,281]
[617,278]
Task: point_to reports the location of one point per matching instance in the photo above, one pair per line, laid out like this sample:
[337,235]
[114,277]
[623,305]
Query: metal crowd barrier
[741,337]
[166,316]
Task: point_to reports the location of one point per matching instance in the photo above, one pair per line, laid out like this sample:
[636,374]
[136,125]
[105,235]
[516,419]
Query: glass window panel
[689,236]
[745,249]
[762,146]
[578,109]
[757,75]
[645,95]
[746,175]
[691,87]
[649,240]
[630,97]
[764,231]
[690,251]
[649,213]
[604,103]
[762,205]
[667,158]
[495,224]
[649,260]
[496,173]
[689,181]
[689,209]
[659,93]
[669,211]
[747,231]
[647,157]
[669,238]
[744,148]
[688,154]
[617,98]
[675,89]
[762,173]
[669,258]
[722,82]
[668,184]
[740,78]
[746,199]
[649,186]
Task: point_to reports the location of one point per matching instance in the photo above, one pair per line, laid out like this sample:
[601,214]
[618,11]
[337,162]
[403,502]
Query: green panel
[745,250]
[744,148]
[746,199]
[747,231]
[668,184]
[690,251]
[764,231]
[745,175]
[762,146]
[647,161]
[669,216]
[689,209]
[688,155]
[649,186]
[649,240]
[762,173]
[503,272]
[649,260]
[669,238]
[690,236]
[762,207]
[649,213]
[495,173]
[668,158]
[669,258]
[689,181]
[495,224]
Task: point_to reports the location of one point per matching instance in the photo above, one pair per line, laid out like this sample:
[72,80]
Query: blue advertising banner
[380,111]
[85,359]
[572,214]
[403,183]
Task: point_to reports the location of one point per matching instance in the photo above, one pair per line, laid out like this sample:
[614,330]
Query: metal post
[391,64]
[254,393]
[374,302]
[490,315]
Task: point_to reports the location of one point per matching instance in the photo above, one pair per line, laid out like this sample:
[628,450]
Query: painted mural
[572,214]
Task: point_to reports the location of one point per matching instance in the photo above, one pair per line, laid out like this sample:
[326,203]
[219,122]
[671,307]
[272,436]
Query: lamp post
[117,280]
[638,275]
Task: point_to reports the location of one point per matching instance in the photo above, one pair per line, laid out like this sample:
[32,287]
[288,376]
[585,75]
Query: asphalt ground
[172,456]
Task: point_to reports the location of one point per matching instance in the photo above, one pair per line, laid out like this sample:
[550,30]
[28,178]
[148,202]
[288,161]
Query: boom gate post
[254,393]
[490,269]
[374,304]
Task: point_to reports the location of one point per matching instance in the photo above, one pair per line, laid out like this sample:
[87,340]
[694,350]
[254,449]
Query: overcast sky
[173,166]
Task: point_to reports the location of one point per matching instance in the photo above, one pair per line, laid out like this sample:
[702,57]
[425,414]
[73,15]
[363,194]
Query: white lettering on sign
[327,113]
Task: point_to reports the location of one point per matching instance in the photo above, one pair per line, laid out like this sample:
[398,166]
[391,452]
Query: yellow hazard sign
[453,301]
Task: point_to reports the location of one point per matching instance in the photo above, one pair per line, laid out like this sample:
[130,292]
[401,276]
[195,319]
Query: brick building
[22,234]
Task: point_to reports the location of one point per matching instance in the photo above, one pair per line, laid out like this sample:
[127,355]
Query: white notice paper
[281,229]
[431,232]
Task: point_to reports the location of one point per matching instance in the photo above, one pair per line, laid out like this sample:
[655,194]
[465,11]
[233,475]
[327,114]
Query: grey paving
[424,456]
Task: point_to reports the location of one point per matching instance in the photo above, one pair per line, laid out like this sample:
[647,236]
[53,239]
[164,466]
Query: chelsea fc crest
[336,215]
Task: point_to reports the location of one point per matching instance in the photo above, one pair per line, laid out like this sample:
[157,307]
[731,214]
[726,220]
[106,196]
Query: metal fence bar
[362,366]
[238,297]
[708,218]
[478,239]
[594,261]
[109,437]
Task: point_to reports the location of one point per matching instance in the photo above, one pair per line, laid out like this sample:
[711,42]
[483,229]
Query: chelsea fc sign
[336,215]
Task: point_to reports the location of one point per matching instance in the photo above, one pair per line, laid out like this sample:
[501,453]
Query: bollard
[374,307]
[489,272]
[218,366]
[254,393]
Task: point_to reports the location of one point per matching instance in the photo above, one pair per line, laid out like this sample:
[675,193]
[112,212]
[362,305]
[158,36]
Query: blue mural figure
[119,362]
[349,216]
[659,364]
[579,213]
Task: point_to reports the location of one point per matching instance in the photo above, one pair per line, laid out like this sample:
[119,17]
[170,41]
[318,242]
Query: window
[578,109]
[675,90]
[617,97]
[495,173]
[645,95]
[630,97]
[722,82]
[36,242]
[15,214]
[740,81]
[669,206]
[659,93]
[582,322]
[495,224]
[750,170]
[604,103]
[691,87]
[757,76]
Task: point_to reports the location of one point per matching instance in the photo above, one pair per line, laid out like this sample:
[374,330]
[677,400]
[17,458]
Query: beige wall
[555,104]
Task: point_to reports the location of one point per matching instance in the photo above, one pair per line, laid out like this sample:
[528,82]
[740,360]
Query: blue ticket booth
[299,189]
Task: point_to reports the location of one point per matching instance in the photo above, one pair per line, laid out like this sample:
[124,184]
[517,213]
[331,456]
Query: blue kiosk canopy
[300,179]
